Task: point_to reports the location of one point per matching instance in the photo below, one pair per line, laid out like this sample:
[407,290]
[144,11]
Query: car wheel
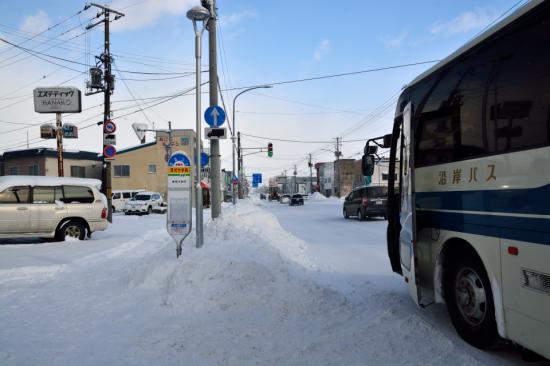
[71,229]
[149,210]
[346,216]
[113,209]
[360,216]
[470,300]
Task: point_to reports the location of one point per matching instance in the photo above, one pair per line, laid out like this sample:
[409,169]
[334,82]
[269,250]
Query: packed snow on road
[272,285]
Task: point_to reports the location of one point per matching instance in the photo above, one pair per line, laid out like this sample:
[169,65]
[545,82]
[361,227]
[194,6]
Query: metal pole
[310,176]
[215,166]
[59,137]
[198,189]
[106,116]
[233,136]
[233,152]
[240,164]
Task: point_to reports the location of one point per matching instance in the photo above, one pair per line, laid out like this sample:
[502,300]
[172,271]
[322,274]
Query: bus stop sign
[180,187]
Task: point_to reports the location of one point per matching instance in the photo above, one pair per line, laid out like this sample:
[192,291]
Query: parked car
[365,202]
[273,196]
[51,207]
[145,203]
[284,198]
[296,199]
[120,198]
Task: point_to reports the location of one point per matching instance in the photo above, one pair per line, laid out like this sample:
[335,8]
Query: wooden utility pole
[59,138]
[106,184]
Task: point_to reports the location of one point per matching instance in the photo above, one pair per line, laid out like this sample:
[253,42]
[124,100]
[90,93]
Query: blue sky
[259,42]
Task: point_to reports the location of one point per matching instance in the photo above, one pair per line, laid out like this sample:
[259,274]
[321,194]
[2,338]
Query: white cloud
[465,22]
[236,18]
[36,23]
[148,13]
[394,41]
[322,50]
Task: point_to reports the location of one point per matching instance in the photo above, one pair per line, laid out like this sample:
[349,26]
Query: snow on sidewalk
[248,297]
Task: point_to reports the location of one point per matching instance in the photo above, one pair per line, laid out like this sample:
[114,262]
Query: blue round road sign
[214,116]
[204,159]
[109,127]
[109,151]
[178,159]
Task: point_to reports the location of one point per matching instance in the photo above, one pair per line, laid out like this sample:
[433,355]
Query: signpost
[180,185]
[58,100]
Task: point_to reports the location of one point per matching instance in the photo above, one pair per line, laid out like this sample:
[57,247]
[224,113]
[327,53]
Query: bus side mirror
[386,144]
[367,166]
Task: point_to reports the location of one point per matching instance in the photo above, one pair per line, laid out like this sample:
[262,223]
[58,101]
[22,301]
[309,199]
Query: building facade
[325,173]
[144,166]
[43,161]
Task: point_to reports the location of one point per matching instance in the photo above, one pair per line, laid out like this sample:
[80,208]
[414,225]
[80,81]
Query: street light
[198,14]
[233,138]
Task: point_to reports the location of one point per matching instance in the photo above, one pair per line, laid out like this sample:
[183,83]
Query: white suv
[51,207]
[144,203]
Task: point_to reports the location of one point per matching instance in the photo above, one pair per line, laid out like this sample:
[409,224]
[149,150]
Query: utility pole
[239,166]
[337,153]
[293,187]
[310,175]
[215,165]
[59,138]
[106,184]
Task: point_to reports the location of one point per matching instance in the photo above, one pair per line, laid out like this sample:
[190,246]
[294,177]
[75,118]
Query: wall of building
[345,173]
[22,165]
[140,157]
[92,167]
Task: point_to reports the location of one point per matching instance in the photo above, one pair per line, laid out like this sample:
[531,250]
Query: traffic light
[270,149]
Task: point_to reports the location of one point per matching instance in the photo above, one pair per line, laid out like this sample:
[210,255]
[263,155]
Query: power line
[299,141]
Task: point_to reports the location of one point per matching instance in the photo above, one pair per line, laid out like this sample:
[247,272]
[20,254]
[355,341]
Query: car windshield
[296,196]
[142,197]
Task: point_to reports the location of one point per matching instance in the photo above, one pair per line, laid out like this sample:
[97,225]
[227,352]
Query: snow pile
[317,196]
[249,296]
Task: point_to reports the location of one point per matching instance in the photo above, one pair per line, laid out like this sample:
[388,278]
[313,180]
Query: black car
[296,199]
[262,196]
[365,202]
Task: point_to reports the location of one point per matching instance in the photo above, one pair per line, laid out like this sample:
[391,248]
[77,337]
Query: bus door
[407,216]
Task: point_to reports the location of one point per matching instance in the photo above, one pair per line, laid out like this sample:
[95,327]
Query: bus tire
[470,300]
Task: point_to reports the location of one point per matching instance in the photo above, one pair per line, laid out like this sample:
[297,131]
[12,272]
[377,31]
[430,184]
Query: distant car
[121,197]
[51,207]
[365,202]
[274,196]
[262,196]
[145,203]
[296,199]
[284,198]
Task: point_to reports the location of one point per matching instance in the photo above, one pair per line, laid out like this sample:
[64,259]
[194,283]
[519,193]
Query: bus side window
[519,112]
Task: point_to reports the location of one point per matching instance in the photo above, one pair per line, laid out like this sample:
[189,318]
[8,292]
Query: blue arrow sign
[214,116]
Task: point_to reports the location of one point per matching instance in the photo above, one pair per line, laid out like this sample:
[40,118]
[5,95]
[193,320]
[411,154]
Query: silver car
[51,207]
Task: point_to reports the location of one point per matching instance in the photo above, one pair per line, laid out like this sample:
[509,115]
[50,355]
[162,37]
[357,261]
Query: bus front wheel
[470,300]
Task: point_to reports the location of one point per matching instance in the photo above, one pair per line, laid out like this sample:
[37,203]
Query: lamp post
[233,138]
[198,14]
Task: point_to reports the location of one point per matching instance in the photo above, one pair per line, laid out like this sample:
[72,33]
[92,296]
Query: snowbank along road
[273,285]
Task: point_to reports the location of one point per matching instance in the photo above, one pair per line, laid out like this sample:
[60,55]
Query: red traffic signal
[270,149]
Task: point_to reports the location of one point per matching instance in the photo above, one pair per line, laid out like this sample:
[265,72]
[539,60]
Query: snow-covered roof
[32,180]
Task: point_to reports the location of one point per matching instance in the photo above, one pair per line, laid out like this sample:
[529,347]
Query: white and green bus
[469,211]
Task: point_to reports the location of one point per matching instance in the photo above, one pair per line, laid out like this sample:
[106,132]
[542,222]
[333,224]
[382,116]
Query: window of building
[33,170]
[18,194]
[78,194]
[152,168]
[386,176]
[78,171]
[13,170]
[122,170]
[47,194]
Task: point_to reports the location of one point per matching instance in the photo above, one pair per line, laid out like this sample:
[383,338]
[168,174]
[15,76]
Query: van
[119,198]
[51,207]
[365,202]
